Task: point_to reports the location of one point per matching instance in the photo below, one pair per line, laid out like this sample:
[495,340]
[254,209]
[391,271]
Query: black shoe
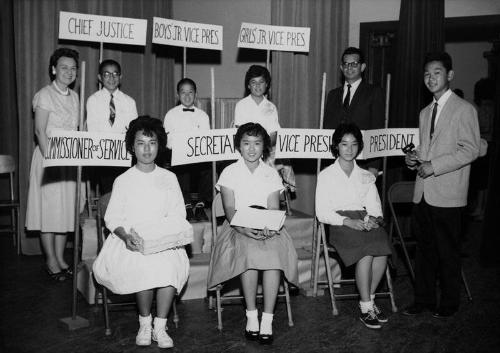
[189,212]
[415,309]
[370,320]
[443,313]
[199,212]
[381,317]
[252,335]
[265,338]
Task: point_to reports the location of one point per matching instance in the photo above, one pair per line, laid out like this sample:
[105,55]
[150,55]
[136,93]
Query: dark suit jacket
[367,110]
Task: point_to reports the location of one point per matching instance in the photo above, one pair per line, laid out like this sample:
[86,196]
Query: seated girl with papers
[147,217]
[243,252]
[347,199]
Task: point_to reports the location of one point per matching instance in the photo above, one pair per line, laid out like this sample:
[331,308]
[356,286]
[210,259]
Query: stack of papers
[259,219]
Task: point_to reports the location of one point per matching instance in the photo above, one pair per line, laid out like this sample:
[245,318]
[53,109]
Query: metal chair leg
[466,285]
[322,239]
[288,306]
[176,316]
[106,312]
[219,309]
[391,293]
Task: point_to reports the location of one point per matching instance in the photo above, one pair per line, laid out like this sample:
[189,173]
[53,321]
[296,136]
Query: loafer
[252,335]
[265,338]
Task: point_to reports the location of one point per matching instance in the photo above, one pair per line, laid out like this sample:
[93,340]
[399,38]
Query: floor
[31,307]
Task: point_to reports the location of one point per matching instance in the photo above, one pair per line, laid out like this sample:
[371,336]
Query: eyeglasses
[351,65]
[107,74]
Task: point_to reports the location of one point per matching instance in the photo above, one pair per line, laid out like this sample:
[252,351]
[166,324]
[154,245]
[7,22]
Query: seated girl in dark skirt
[347,199]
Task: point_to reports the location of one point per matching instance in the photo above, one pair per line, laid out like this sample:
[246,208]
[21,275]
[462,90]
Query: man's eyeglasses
[107,74]
[351,65]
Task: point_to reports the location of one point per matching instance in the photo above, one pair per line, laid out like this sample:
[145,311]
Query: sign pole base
[75,323]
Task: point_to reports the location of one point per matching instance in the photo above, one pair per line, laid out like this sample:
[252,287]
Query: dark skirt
[352,245]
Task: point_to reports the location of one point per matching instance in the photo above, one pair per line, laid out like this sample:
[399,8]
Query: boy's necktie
[112,111]
[347,96]
[433,120]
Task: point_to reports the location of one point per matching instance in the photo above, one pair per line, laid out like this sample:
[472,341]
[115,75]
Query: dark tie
[188,110]
[112,111]
[347,97]
[433,120]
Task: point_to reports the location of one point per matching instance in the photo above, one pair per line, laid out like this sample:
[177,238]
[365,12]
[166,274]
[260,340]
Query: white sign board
[106,29]
[388,142]
[86,148]
[315,143]
[203,146]
[279,38]
[187,34]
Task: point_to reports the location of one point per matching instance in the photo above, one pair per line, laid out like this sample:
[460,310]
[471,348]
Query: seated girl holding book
[243,252]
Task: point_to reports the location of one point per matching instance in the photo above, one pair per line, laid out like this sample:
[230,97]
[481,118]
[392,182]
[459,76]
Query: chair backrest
[401,192]
[7,165]
[217,211]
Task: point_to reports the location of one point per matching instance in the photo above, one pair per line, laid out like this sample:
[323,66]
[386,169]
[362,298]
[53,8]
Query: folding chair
[102,204]
[399,193]
[8,166]
[218,211]
[324,250]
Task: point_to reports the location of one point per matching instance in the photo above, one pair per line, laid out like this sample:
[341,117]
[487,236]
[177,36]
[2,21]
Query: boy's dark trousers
[438,232]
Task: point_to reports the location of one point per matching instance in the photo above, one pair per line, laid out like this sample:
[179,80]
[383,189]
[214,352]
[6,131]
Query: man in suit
[449,142]
[356,101]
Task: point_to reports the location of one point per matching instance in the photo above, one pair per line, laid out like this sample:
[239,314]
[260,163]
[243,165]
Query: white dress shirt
[177,120]
[98,111]
[265,113]
[335,191]
[440,102]
[250,188]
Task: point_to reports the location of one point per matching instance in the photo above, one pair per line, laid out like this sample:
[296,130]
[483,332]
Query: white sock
[372,297]
[160,324]
[252,320]
[145,320]
[266,324]
[365,306]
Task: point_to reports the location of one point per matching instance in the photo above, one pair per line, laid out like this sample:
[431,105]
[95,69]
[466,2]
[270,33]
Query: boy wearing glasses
[109,109]
[356,101]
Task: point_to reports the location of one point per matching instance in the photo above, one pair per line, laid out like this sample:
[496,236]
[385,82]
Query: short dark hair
[354,51]
[109,62]
[59,53]
[149,127]
[440,56]
[253,129]
[257,71]
[346,129]
[184,81]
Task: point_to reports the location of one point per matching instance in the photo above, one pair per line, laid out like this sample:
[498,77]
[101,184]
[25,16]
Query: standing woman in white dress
[146,205]
[52,190]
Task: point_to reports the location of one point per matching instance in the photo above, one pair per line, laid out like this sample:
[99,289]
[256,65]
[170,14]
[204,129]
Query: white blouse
[250,188]
[140,197]
[265,114]
[335,191]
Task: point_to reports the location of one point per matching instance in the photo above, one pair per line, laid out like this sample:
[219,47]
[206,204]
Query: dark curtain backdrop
[297,77]
[421,30]
[296,87]
[147,71]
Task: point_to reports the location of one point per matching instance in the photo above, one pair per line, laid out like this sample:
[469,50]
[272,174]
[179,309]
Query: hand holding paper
[253,218]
